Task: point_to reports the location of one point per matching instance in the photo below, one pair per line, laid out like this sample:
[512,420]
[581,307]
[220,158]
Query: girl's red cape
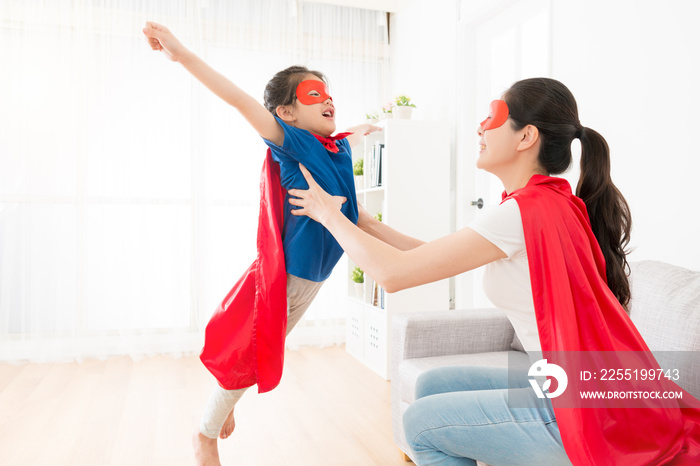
[244,340]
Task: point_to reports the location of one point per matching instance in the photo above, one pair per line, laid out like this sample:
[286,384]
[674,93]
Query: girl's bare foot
[206,452]
[227,428]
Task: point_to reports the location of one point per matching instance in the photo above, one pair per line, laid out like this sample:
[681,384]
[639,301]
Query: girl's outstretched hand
[360,131]
[161,39]
[365,129]
[314,202]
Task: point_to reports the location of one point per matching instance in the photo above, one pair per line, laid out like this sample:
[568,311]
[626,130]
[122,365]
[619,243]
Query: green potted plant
[358,169]
[403,107]
[372,117]
[358,276]
[387,109]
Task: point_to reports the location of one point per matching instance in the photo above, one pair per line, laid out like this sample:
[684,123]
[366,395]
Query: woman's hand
[161,39]
[314,202]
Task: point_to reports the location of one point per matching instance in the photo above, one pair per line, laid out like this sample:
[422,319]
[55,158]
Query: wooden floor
[328,410]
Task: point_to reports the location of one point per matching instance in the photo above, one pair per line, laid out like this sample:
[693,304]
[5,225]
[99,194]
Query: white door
[500,43]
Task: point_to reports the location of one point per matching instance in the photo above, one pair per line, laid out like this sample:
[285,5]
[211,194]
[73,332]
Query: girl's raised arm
[161,39]
[384,232]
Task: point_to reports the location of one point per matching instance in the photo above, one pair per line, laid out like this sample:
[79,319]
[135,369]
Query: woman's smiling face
[498,141]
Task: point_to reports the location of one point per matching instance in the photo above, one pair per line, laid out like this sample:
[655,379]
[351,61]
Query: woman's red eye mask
[498,114]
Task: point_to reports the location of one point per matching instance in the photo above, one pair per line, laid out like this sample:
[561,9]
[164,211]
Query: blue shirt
[310,250]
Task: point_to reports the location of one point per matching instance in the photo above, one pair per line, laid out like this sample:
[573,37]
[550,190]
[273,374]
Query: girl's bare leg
[217,422]
[218,419]
[206,451]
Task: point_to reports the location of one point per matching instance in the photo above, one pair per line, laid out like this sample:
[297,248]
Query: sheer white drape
[128,192]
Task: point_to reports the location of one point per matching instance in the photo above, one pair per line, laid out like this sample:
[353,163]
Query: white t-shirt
[507,281]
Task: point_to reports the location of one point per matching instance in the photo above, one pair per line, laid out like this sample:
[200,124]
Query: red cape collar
[559,184]
[329,142]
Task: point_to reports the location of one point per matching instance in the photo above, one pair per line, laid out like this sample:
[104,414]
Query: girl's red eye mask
[306,87]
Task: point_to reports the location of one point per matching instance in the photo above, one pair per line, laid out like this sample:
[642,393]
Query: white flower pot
[402,113]
[359,182]
[359,290]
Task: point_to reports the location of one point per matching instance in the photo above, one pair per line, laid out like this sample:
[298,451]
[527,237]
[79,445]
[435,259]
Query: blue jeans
[461,415]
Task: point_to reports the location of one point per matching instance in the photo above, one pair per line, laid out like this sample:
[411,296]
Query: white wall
[633,67]
[423,39]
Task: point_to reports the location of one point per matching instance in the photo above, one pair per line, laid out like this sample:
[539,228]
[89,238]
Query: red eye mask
[498,114]
[306,87]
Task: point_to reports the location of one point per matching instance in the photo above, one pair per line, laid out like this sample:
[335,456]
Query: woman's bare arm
[393,268]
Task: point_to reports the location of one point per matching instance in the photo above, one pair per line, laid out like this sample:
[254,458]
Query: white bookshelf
[414,198]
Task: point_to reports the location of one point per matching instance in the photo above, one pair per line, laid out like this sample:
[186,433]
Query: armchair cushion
[665,305]
[442,333]
[421,341]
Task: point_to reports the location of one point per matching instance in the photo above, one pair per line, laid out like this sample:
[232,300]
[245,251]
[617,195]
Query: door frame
[475,17]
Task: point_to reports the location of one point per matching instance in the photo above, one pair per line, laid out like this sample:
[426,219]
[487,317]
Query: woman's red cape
[576,312]
[244,340]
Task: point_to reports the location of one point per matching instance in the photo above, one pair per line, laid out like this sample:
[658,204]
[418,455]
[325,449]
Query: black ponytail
[549,105]
[610,215]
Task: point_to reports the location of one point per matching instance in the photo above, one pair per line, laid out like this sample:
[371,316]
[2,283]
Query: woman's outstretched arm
[393,268]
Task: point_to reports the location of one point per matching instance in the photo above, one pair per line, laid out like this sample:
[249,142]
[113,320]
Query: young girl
[245,338]
[556,265]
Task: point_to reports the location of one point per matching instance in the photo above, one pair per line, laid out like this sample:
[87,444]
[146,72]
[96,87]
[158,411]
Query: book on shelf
[377,295]
[374,165]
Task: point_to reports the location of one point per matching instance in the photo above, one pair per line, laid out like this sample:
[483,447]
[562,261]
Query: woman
[556,265]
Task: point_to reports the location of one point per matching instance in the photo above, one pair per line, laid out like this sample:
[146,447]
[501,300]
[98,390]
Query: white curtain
[128,192]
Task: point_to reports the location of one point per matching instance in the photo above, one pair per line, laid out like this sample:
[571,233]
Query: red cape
[244,340]
[576,312]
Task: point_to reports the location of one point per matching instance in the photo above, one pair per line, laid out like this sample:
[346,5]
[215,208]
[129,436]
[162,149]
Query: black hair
[281,90]
[551,108]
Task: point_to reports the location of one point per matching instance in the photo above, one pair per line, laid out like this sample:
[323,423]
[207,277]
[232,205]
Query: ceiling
[391,6]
